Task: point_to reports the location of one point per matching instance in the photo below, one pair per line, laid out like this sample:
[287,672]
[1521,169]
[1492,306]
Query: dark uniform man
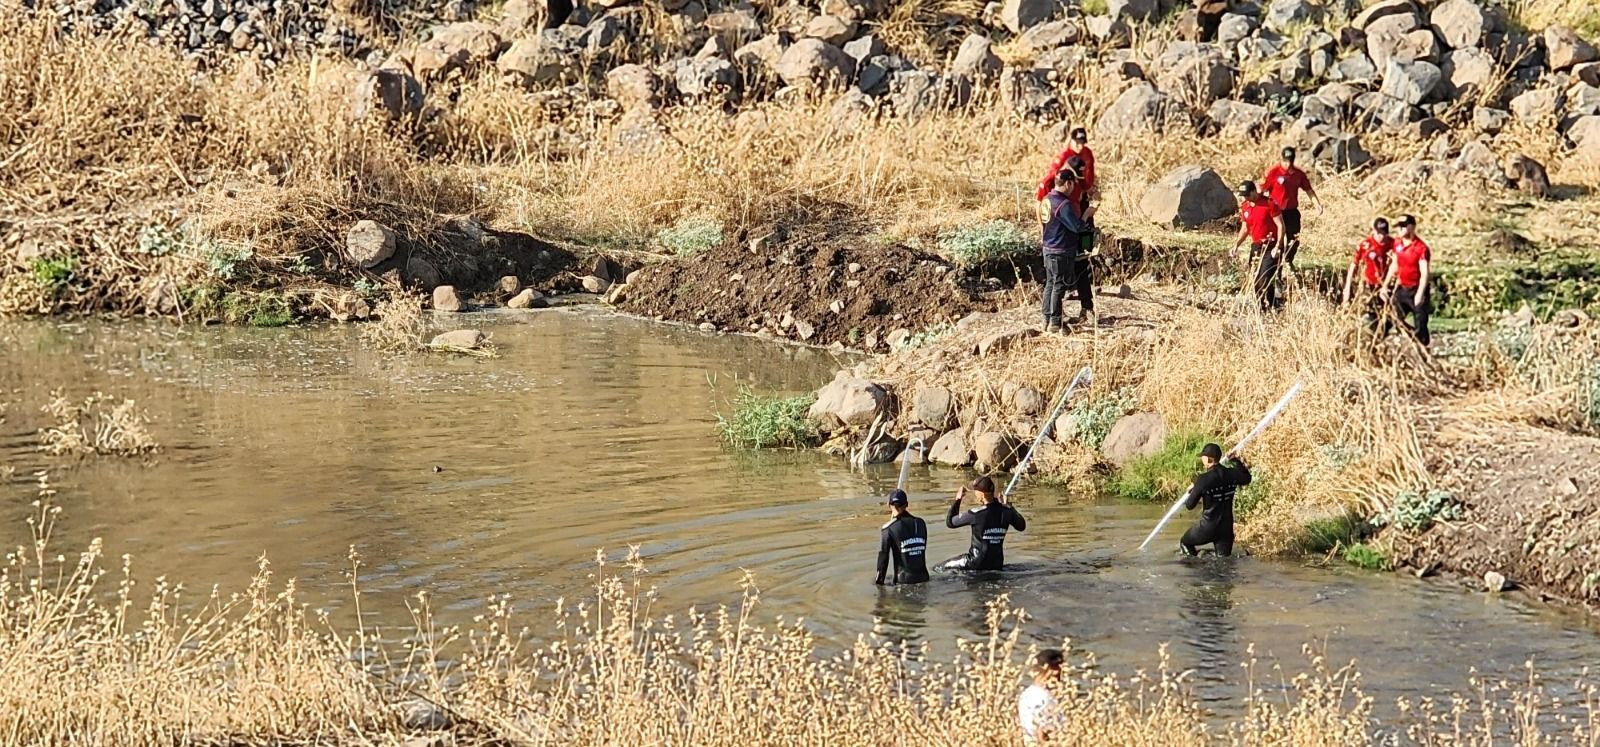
[1214,488]
[905,539]
[1065,225]
[989,523]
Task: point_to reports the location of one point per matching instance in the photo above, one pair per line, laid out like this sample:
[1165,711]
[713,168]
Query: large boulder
[1141,108]
[1022,15]
[975,60]
[1383,9]
[951,449]
[457,46]
[736,26]
[1239,118]
[997,451]
[1356,68]
[1028,401]
[764,54]
[1053,35]
[1284,15]
[1564,49]
[459,339]
[813,64]
[712,77]
[848,401]
[1469,72]
[1196,74]
[369,243]
[446,299]
[1585,134]
[1141,434]
[1527,175]
[1465,23]
[1478,159]
[1188,197]
[634,86]
[539,60]
[1132,10]
[1415,83]
[913,93]
[1422,45]
[1536,105]
[1385,36]
[933,406]
[387,93]
[1234,28]
[831,29]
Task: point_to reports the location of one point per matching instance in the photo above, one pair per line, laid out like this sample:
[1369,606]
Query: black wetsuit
[989,523]
[905,538]
[1215,488]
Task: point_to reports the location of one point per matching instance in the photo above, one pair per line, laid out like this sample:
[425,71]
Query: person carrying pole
[1371,263]
[989,523]
[1064,228]
[905,540]
[1261,222]
[1411,271]
[1283,183]
[1220,477]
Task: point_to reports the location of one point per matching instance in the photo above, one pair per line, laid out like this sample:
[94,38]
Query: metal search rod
[905,460]
[1261,426]
[1084,377]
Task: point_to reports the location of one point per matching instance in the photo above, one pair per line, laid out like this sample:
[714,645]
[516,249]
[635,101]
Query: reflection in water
[597,432]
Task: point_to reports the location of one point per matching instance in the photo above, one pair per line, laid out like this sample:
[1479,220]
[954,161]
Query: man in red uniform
[1077,147]
[1410,269]
[1371,261]
[1283,184]
[1262,223]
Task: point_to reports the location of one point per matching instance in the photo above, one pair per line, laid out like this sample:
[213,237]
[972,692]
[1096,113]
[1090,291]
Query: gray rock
[974,60]
[1188,197]
[1386,34]
[1412,82]
[528,299]
[1536,105]
[538,61]
[1141,108]
[1342,151]
[1109,30]
[951,449]
[1022,15]
[1136,435]
[848,401]
[1420,45]
[1196,74]
[457,46]
[1464,23]
[445,299]
[1494,582]
[736,26]
[831,29]
[1233,28]
[702,78]
[1322,109]
[1584,134]
[864,48]
[390,94]
[1385,111]
[464,339]
[813,64]
[1384,9]
[1028,92]
[422,273]
[345,307]
[418,714]
[913,93]
[1133,10]
[1357,68]
[1283,15]
[595,284]
[1490,121]
[1052,35]
[1582,100]
[1478,159]
[369,243]
[1564,49]
[934,407]
[1527,175]
[765,53]
[634,86]
[997,451]
[1028,401]
[1238,118]
[1469,72]
[872,76]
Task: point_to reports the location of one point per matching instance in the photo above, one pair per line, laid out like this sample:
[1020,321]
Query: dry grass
[98,426]
[90,660]
[398,326]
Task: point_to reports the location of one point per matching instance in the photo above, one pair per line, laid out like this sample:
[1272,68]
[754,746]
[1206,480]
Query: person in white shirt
[1037,709]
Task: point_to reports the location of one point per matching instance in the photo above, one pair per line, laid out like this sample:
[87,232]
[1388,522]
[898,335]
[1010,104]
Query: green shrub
[1251,498]
[973,245]
[1095,7]
[256,309]
[1320,536]
[1092,418]
[1413,511]
[691,235]
[52,273]
[1366,556]
[1163,475]
[760,422]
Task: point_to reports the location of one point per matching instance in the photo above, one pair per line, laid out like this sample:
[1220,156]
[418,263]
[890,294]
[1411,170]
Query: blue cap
[897,497]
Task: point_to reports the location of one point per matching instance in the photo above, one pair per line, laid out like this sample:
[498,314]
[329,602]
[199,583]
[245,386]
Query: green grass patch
[52,273]
[969,246]
[767,421]
[1321,536]
[1253,497]
[691,235]
[1366,556]
[1163,475]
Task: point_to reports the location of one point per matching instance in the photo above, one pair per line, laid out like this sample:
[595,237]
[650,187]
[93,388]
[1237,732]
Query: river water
[477,477]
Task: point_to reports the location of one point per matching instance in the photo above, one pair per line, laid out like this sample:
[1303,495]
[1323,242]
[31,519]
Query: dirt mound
[816,293]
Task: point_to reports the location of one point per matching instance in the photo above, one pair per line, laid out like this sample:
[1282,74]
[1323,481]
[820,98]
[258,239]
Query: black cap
[1288,154]
[983,485]
[1213,451]
[1381,225]
[897,497]
[1247,188]
[1080,135]
[1407,220]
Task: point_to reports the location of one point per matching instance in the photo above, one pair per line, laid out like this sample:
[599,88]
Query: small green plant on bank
[224,259]
[973,245]
[52,273]
[1321,536]
[1415,511]
[263,310]
[760,422]
[1253,497]
[1163,475]
[1363,555]
[368,289]
[691,235]
[1092,418]
[927,335]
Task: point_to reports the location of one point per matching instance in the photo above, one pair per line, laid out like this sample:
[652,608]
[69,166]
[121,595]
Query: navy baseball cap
[897,497]
[1211,450]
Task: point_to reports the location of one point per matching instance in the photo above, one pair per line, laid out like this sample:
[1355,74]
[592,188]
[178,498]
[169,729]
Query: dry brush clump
[97,426]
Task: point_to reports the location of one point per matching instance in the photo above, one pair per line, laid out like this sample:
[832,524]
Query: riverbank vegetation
[96,658]
[767,421]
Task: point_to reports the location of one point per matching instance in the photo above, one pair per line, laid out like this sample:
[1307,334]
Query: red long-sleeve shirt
[1085,185]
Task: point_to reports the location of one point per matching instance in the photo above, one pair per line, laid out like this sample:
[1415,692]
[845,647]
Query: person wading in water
[905,539]
[1214,488]
[989,523]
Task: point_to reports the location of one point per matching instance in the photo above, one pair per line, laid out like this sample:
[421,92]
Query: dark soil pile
[1531,513]
[819,293]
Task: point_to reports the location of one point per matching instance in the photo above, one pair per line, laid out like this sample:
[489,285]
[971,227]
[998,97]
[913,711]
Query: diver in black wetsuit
[1214,487]
[989,523]
[905,538]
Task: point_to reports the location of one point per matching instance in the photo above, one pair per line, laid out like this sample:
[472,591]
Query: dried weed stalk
[99,426]
[398,324]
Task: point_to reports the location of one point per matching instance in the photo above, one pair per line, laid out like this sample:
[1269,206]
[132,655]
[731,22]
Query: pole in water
[1084,377]
[905,461]
[1261,426]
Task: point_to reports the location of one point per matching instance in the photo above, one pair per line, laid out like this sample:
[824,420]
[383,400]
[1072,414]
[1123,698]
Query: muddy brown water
[595,432]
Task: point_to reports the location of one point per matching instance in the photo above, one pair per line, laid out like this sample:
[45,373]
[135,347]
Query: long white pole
[1083,376]
[905,461]
[1261,426]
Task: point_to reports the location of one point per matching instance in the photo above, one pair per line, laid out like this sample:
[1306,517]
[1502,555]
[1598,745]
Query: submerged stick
[1261,426]
[905,460]
[1083,377]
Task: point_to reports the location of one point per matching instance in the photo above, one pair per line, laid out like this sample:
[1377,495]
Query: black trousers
[1405,303]
[1057,269]
[1267,277]
[1291,235]
[1218,536]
